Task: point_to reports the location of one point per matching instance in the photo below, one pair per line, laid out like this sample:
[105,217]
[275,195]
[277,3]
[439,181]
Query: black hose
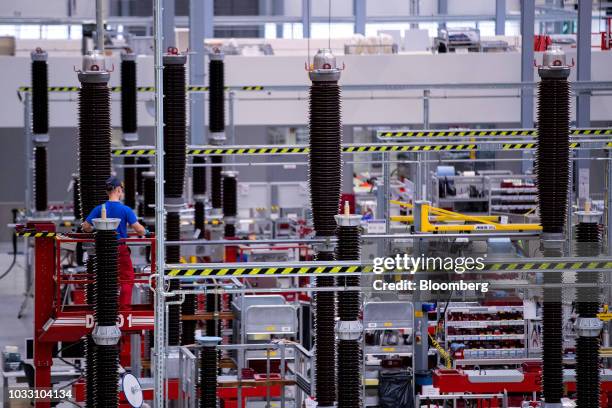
[14,261]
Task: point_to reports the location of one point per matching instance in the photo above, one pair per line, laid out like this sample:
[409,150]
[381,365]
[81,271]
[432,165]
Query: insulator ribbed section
[40,178]
[139,179]
[230,196]
[216,96]
[325,171]
[208,377]
[199,216]
[173,255]
[216,192]
[188,307]
[199,176]
[148,202]
[213,302]
[94,145]
[588,237]
[349,374]
[90,345]
[40,98]
[76,198]
[175,131]
[587,372]
[552,157]
[348,248]
[325,337]
[129,182]
[129,110]
[106,388]
[552,343]
[107,278]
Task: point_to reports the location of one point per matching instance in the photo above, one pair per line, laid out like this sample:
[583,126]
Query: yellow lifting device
[423,209]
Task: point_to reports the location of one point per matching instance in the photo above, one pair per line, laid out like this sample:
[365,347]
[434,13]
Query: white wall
[359,108]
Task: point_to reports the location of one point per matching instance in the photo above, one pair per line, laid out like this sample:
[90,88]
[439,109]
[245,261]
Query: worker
[116,209]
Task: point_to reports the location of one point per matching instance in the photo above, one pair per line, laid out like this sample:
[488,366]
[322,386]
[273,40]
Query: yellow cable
[443,353]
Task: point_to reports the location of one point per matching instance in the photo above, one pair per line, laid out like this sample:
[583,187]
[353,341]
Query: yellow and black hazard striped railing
[190,88]
[309,270]
[485,133]
[373,148]
[34,234]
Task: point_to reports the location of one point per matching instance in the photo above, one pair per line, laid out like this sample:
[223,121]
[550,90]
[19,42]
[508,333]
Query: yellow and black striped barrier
[368,269]
[486,132]
[190,88]
[34,234]
[374,148]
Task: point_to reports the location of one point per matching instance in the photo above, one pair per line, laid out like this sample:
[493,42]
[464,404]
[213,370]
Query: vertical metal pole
[609,203]
[425,156]
[583,101]
[169,38]
[500,17]
[160,309]
[100,25]
[527,28]
[209,18]
[306,9]
[278,9]
[359,9]
[196,70]
[442,11]
[29,146]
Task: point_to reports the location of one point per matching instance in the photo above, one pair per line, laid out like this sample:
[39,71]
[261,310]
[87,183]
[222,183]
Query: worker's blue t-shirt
[115,209]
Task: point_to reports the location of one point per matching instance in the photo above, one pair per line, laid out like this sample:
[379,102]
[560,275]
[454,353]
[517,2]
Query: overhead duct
[106,333]
[552,161]
[325,183]
[40,126]
[175,156]
[129,124]
[588,326]
[349,328]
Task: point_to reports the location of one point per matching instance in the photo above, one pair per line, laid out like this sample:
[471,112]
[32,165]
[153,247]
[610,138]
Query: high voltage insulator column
[94,169]
[230,202]
[325,182]
[175,155]
[199,194]
[129,122]
[349,328]
[106,333]
[209,368]
[216,123]
[588,326]
[40,126]
[552,180]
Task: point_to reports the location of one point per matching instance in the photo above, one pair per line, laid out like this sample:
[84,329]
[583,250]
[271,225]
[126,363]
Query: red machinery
[525,381]
[54,321]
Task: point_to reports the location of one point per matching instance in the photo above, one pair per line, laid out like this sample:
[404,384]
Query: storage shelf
[484,323]
[485,337]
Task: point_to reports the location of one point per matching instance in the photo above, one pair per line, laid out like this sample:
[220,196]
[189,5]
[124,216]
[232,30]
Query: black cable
[14,261]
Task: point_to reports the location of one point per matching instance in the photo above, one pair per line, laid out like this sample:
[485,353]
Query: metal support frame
[500,17]
[527,30]
[169,39]
[197,34]
[583,100]
[359,10]
[160,301]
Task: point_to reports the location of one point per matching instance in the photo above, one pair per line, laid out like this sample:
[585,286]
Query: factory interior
[306,203]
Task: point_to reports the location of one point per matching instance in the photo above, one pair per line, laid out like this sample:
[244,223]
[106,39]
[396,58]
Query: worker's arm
[87,227]
[138,228]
